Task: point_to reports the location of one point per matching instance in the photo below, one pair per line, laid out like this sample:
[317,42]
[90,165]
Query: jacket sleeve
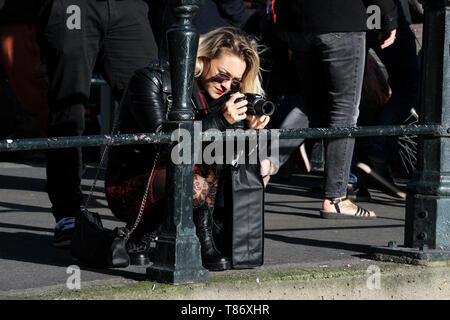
[216,120]
[144,100]
[388,12]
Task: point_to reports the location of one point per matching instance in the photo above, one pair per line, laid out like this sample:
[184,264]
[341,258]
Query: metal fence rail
[154,138]
[83,141]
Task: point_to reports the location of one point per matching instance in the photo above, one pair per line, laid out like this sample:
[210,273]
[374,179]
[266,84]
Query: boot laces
[142,243]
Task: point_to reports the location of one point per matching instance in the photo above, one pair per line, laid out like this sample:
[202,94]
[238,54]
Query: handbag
[239,216]
[92,243]
[99,247]
[376,89]
[96,246]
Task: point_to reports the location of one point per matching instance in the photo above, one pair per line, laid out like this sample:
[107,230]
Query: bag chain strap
[102,161]
[144,198]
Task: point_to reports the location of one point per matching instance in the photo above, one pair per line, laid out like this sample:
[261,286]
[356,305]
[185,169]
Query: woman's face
[221,74]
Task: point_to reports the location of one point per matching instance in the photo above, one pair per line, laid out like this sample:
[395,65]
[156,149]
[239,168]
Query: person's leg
[71,55]
[125,190]
[205,188]
[402,66]
[304,113]
[342,56]
[295,119]
[124,197]
[343,60]
[128,44]
[21,64]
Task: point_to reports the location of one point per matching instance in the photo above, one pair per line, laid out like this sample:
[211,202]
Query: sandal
[360,213]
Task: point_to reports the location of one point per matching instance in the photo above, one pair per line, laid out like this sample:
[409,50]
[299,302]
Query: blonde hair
[239,43]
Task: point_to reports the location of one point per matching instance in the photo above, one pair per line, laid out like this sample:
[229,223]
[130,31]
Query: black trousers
[116,36]
[402,65]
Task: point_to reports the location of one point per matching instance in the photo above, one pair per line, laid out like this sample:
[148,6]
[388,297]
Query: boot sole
[336,216]
[62,244]
[139,261]
[217,266]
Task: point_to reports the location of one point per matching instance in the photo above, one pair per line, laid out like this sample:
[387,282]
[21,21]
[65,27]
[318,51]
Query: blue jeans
[331,70]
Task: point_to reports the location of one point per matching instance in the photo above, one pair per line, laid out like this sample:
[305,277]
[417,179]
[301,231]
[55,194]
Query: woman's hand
[257,122]
[235,111]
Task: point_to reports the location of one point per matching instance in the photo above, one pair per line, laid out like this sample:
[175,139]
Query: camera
[257,106]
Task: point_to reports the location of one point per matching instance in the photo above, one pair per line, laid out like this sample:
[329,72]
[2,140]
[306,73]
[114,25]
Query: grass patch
[230,281]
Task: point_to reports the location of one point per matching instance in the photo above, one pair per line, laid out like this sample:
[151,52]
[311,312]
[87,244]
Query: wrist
[229,119]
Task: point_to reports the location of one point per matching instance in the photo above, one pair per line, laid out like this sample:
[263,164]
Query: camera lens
[268,108]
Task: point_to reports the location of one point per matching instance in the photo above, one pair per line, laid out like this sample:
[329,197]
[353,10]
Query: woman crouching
[227,62]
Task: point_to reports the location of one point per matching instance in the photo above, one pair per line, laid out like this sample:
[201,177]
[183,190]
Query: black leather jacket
[145,106]
[144,110]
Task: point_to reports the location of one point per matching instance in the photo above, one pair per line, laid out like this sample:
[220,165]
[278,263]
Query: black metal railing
[155,138]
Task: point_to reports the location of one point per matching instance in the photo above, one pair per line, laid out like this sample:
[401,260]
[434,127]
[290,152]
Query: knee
[345,121]
[200,190]
[67,121]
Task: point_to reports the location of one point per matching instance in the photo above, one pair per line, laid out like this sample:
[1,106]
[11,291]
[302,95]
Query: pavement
[296,238]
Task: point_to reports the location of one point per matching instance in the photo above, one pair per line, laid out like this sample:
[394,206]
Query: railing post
[428,206]
[177,257]
[427,230]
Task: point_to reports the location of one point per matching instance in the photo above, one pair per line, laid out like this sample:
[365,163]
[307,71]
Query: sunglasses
[221,77]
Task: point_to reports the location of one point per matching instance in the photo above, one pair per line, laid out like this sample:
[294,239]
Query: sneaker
[138,249]
[63,232]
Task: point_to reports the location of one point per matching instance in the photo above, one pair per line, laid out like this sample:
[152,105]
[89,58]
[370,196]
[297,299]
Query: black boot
[139,245]
[138,248]
[212,259]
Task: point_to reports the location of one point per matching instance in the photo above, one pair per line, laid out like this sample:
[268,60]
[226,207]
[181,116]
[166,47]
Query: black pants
[116,36]
[402,65]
